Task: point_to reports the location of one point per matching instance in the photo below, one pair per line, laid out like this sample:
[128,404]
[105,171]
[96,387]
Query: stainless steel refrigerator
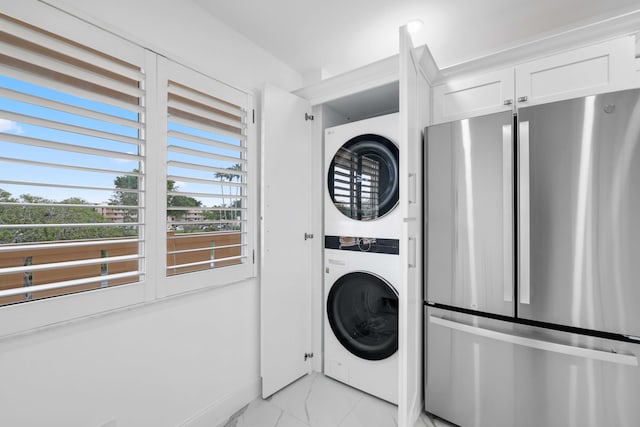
[532,255]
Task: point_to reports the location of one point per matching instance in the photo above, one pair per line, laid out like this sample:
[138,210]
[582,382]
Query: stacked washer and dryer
[362,226]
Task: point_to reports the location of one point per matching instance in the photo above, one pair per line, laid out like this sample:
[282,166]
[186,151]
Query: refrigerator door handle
[507,211]
[587,353]
[524,237]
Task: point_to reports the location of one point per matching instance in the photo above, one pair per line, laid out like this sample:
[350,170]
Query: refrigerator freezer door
[579,211]
[469,379]
[469,213]
[483,372]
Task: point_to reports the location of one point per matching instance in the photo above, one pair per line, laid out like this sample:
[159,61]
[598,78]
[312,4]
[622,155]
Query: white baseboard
[218,412]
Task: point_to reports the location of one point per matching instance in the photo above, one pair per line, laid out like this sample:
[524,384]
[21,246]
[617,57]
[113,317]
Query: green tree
[128,198]
[229,177]
[52,212]
[179,201]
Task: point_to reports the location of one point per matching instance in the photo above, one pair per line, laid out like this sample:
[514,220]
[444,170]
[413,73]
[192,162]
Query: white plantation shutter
[207,174]
[72,166]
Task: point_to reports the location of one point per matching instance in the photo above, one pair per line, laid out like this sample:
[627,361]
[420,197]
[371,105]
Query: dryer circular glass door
[363,177]
[362,310]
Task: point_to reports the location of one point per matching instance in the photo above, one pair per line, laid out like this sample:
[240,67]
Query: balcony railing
[186,253]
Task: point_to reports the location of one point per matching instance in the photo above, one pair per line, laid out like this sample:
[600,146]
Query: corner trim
[370,76]
[549,44]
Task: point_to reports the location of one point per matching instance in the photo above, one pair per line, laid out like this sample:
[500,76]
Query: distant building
[118,214]
[192,215]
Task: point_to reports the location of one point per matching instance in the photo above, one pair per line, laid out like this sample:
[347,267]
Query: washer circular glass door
[362,310]
[363,177]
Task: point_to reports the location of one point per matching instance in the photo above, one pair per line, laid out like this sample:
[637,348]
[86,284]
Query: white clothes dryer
[361,314]
[362,178]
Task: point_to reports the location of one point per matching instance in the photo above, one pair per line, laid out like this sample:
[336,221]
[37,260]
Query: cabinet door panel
[414,94]
[285,323]
[600,68]
[484,94]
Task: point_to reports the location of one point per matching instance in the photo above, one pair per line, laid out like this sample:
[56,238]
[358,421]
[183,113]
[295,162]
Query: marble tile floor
[318,401]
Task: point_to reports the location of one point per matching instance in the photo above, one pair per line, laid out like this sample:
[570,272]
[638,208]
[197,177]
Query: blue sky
[21,172]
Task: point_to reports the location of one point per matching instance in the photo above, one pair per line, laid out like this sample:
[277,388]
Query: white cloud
[9,126]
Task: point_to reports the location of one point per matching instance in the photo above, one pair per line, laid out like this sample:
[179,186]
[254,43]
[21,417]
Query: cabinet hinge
[253,116]
[308,116]
[308,356]
[253,256]
[308,236]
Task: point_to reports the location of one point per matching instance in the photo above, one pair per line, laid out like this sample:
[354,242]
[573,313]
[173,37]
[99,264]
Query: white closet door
[414,114]
[285,321]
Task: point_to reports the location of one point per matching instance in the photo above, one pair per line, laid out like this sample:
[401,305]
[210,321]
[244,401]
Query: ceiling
[322,38]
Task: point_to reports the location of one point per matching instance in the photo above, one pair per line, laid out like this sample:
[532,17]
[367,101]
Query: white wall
[159,365]
[188,34]
[189,360]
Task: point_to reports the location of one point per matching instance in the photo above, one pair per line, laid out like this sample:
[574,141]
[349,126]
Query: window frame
[32,315]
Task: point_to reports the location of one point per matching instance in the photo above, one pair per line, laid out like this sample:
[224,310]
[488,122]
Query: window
[207,170]
[121,173]
[72,162]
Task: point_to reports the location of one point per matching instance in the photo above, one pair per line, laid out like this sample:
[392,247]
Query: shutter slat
[207,248]
[205,141]
[199,153]
[207,181]
[68,283]
[67,264]
[69,205]
[77,187]
[31,77]
[36,121]
[67,108]
[214,195]
[211,129]
[199,209]
[197,263]
[70,225]
[35,142]
[203,168]
[66,245]
[65,166]
[217,221]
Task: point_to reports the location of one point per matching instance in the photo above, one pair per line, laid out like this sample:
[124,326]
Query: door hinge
[308,116]
[308,236]
[308,356]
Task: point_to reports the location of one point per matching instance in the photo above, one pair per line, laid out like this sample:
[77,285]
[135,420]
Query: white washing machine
[362,178]
[361,314]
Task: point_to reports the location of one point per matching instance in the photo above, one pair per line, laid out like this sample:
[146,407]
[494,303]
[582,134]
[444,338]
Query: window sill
[31,316]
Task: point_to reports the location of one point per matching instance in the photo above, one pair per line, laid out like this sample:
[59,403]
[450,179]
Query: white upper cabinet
[598,68]
[475,96]
[604,67]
